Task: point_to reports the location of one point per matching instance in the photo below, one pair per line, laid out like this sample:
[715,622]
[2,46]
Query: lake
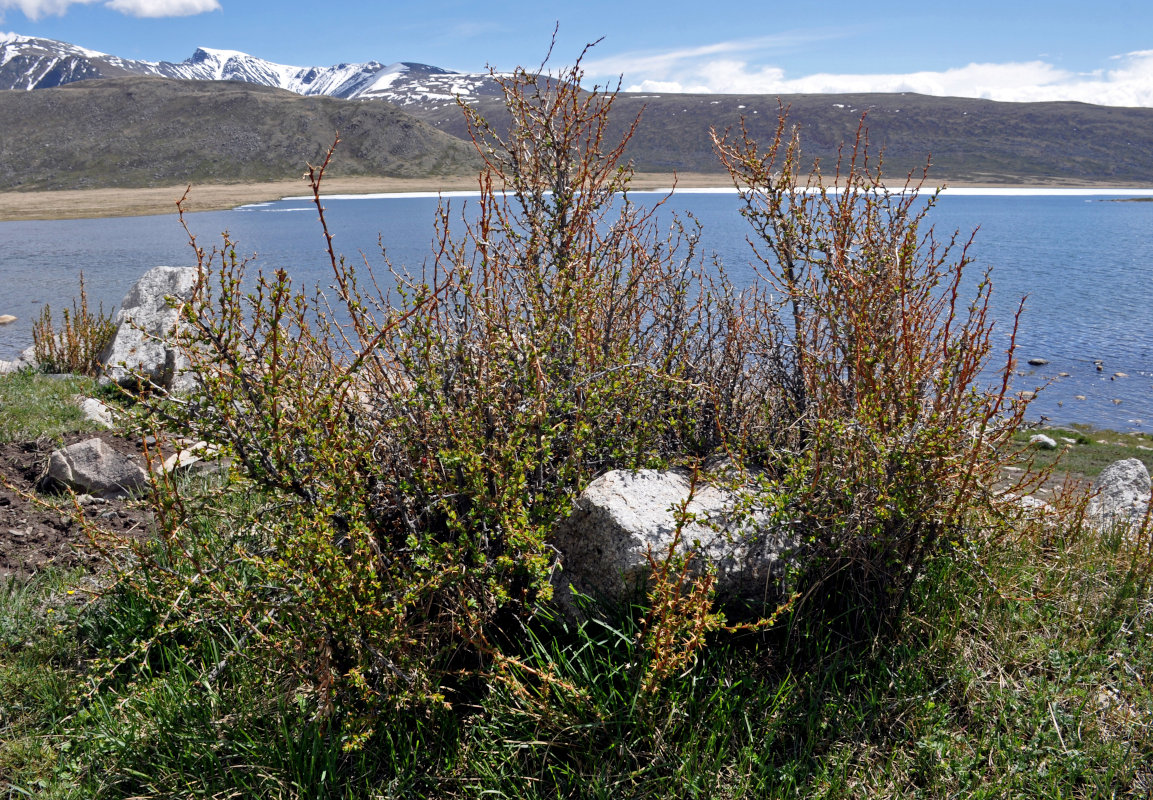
[1085,262]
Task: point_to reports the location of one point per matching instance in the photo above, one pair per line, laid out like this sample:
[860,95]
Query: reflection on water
[1083,263]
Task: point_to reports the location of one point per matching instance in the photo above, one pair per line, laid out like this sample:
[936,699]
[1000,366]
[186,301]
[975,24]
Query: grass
[1085,450]
[1027,676]
[33,405]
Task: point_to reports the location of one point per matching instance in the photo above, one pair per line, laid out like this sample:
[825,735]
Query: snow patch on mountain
[31,63]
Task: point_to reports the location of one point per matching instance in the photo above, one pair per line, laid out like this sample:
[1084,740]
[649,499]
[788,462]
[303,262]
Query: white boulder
[624,517]
[97,412]
[1122,491]
[142,345]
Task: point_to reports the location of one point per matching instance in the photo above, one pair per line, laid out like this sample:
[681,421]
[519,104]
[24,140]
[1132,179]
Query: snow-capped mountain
[30,63]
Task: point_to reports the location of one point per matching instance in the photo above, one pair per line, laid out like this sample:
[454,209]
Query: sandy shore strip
[90,203]
[87,203]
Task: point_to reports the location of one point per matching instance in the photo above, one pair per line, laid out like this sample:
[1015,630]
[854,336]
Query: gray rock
[1122,491]
[197,457]
[94,468]
[1042,441]
[27,358]
[623,517]
[95,411]
[142,346]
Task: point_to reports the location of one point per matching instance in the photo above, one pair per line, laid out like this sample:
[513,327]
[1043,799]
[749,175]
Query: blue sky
[1008,50]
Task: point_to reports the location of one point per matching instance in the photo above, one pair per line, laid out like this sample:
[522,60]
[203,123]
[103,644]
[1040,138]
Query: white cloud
[720,68]
[163,8]
[35,9]
[672,61]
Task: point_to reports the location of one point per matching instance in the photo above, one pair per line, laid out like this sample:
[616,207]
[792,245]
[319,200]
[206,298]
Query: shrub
[896,436]
[76,347]
[414,455]
[412,450]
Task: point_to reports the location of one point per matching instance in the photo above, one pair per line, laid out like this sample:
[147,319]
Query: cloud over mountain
[742,66]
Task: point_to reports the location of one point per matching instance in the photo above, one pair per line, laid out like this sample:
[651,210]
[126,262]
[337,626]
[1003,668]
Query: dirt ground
[82,203]
[35,535]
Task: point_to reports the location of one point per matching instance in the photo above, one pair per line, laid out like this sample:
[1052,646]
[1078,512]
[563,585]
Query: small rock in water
[1038,362]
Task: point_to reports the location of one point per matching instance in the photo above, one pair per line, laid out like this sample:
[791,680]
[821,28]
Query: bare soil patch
[39,529]
[86,203]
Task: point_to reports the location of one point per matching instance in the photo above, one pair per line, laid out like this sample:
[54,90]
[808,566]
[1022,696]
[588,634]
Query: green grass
[1024,673]
[1084,450]
[33,405]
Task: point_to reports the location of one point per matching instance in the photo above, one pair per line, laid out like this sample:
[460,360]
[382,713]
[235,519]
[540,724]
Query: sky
[1016,50]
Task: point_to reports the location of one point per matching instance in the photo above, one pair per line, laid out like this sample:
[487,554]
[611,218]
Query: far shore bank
[92,203]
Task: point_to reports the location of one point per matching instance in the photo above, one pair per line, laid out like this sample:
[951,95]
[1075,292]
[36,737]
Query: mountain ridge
[28,63]
[142,132]
[67,137]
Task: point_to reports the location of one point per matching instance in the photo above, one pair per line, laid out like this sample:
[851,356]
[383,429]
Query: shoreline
[94,203]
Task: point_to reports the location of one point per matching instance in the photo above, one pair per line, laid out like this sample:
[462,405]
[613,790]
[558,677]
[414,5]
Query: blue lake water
[1086,264]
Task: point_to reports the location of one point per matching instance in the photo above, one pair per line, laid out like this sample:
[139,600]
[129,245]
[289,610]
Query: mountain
[160,132]
[73,134]
[30,63]
[969,140]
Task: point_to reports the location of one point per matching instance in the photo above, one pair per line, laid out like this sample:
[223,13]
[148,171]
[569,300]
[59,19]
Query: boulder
[94,468]
[146,321]
[95,411]
[623,517]
[1122,492]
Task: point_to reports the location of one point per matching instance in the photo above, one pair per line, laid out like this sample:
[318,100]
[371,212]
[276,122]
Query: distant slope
[977,141]
[155,132]
[144,133]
